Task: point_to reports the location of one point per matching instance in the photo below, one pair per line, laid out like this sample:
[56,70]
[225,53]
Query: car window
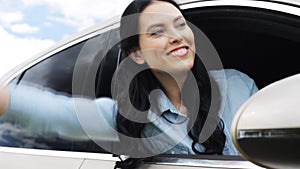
[56,73]
[262,43]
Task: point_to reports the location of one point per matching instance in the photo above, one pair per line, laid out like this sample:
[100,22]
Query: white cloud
[16,50]
[7,18]
[24,28]
[82,13]
[13,22]
[79,25]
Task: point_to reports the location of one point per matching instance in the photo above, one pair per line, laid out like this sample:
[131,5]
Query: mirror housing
[266,128]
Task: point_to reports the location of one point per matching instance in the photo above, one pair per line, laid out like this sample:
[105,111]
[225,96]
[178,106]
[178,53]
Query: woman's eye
[182,24]
[157,32]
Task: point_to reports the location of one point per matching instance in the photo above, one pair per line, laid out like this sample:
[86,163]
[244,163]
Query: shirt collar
[166,108]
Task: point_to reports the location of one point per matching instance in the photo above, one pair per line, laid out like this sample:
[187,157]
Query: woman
[163,45]
[163,41]
[173,104]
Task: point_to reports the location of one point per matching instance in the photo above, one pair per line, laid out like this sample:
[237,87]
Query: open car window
[259,42]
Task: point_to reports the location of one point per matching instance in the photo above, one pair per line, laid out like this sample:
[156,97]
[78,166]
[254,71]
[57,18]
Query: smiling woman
[165,35]
[162,48]
[166,49]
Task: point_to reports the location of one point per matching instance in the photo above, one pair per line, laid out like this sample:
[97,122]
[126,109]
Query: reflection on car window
[56,73]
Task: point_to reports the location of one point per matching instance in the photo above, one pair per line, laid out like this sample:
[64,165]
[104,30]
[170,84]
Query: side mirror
[266,129]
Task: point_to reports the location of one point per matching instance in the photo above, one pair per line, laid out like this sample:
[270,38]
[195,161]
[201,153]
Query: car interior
[261,43]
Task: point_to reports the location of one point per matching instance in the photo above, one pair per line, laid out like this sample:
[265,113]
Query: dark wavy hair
[145,81]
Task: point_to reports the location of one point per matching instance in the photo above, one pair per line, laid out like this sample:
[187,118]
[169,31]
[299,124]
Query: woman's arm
[43,112]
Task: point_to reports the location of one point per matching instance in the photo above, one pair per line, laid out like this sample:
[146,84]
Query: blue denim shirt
[49,112]
[170,129]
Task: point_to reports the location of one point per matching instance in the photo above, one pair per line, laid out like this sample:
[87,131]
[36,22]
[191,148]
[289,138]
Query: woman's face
[166,41]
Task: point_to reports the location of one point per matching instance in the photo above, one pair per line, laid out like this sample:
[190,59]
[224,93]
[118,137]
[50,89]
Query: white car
[258,37]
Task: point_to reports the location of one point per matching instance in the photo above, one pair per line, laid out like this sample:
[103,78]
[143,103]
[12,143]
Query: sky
[28,27]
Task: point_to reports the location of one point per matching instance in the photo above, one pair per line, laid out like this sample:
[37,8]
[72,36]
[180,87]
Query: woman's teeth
[179,52]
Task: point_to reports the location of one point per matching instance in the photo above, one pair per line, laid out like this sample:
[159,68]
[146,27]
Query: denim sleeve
[235,87]
[42,112]
[240,87]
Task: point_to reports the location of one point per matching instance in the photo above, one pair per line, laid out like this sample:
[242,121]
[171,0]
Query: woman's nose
[175,37]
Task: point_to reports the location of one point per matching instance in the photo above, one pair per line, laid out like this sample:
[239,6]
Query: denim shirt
[170,128]
[49,112]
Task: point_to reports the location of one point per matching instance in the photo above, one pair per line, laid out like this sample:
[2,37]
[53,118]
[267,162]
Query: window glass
[56,74]
[56,71]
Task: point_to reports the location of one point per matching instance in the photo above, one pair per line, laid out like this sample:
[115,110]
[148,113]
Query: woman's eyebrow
[178,18]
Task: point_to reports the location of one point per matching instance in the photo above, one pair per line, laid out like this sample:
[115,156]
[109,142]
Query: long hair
[145,81]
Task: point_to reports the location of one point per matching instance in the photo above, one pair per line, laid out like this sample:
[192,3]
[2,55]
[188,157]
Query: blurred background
[28,27]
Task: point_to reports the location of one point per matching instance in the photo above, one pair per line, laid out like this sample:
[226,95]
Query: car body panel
[18,160]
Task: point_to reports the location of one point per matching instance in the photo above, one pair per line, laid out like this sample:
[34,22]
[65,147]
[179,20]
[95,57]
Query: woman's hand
[4,99]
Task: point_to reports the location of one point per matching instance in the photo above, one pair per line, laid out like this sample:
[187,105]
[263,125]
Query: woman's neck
[173,85]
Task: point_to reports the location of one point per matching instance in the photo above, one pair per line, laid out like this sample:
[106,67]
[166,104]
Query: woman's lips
[179,52]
